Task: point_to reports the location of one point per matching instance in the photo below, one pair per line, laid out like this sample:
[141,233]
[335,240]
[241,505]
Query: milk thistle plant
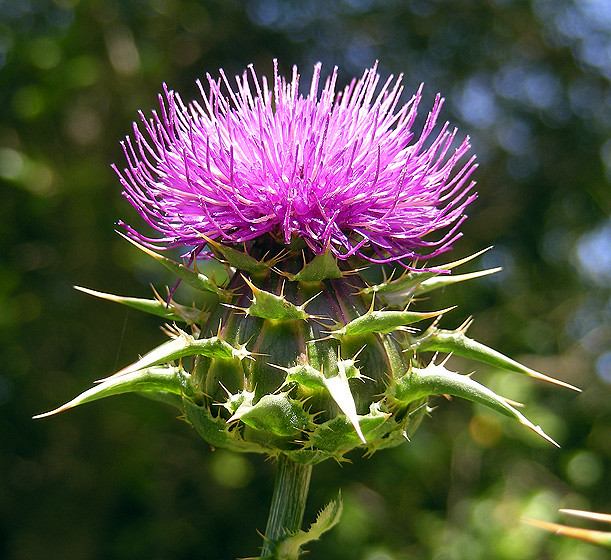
[300,358]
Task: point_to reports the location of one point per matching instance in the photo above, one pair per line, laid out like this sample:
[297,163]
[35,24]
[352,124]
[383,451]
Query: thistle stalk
[288,503]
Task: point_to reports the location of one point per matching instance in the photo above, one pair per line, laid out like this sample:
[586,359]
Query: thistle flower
[302,359]
[343,171]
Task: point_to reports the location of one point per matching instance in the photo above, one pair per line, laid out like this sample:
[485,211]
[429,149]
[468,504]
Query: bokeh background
[124,479]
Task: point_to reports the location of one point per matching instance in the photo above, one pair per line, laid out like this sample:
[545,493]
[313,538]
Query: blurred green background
[123,479]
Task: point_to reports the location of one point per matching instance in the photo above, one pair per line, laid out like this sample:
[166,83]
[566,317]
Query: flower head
[343,170]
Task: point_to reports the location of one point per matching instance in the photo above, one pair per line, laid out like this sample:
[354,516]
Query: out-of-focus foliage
[598,537]
[529,81]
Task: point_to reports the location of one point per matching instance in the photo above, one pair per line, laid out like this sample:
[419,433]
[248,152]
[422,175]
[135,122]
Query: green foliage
[328,517]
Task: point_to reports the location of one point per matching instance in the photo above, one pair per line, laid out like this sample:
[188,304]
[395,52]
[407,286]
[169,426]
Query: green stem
[288,503]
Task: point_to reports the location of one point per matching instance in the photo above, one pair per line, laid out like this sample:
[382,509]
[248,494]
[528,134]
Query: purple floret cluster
[344,171]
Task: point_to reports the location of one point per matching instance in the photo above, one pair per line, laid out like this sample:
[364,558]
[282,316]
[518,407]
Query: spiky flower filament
[340,170]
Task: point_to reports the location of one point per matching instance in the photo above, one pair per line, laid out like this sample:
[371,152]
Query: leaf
[456,342]
[339,389]
[174,312]
[437,380]
[337,386]
[289,548]
[383,322]
[278,414]
[439,282]
[270,306]
[162,382]
[321,267]
[601,538]
[195,279]
[305,375]
[338,435]
[241,260]
[184,345]
[407,282]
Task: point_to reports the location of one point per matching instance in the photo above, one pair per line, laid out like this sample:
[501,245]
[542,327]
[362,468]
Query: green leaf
[437,380]
[402,286]
[289,548]
[174,312]
[457,342]
[338,434]
[601,538]
[184,345]
[439,282]
[277,414]
[214,430]
[270,306]
[383,322]
[337,385]
[162,382]
[238,403]
[196,279]
[241,260]
[305,375]
[321,267]
[407,282]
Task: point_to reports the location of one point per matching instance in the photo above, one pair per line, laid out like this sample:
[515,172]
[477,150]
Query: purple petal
[341,170]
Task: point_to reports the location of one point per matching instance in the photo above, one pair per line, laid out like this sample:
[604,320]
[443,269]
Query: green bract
[302,357]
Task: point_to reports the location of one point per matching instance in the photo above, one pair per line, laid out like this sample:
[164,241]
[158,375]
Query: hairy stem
[288,503]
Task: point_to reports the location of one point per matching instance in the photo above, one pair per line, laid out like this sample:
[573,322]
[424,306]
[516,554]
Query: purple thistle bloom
[343,171]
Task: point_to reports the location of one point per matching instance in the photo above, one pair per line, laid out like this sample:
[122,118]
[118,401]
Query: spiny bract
[293,194]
